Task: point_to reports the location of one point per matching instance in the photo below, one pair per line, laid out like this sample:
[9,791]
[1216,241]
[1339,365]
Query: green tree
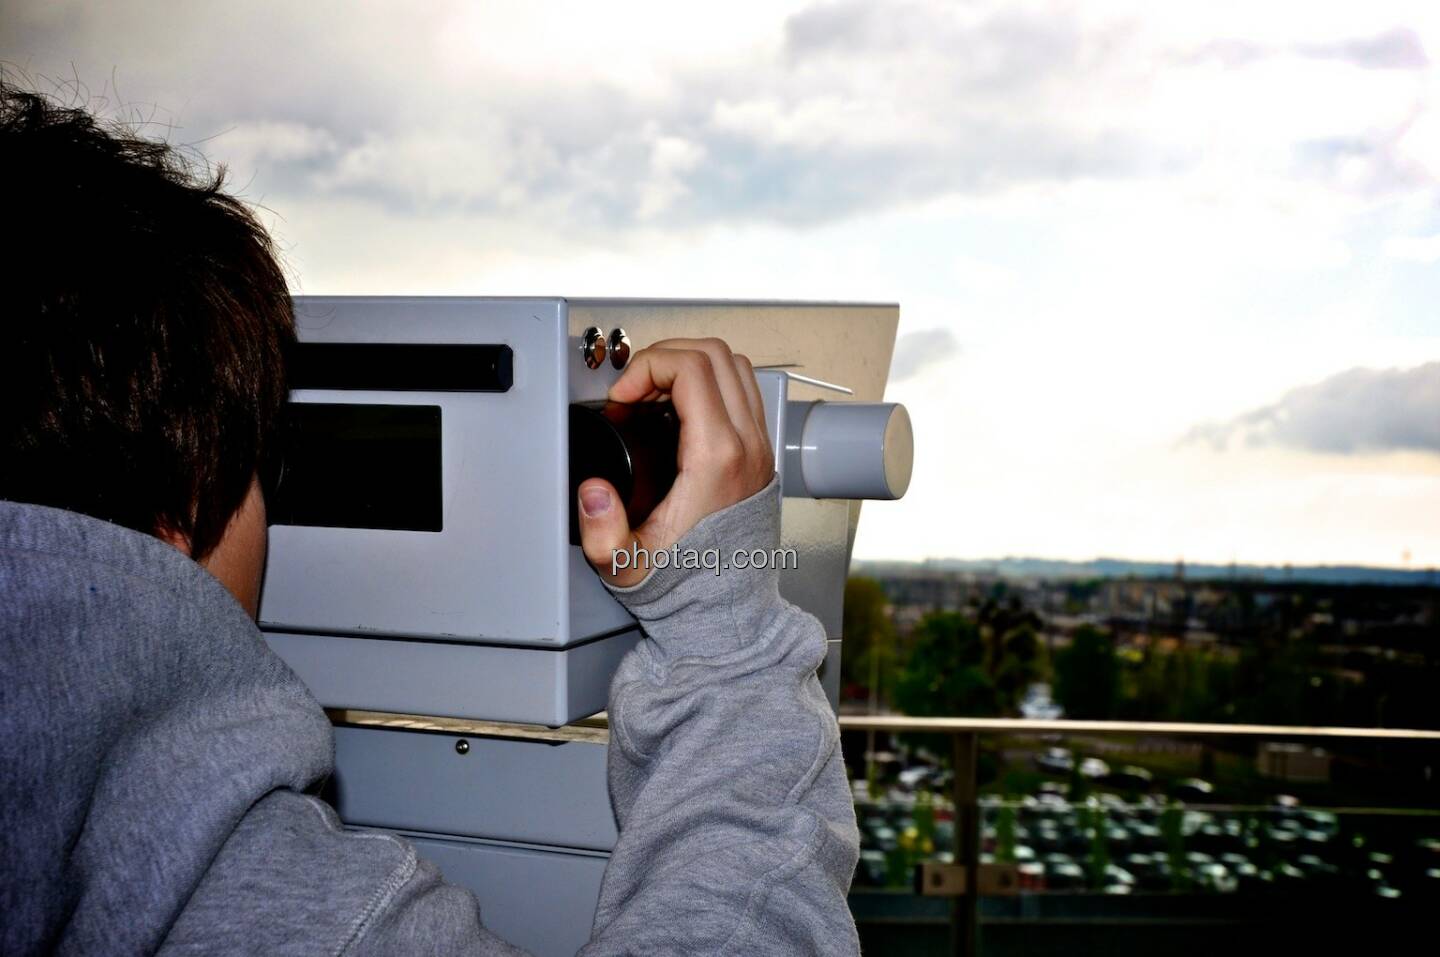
[1186,684]
[1021,663]
[869,639]
[1087,675]
[1172,830]
[1079,784]
[944,673]
[1005,832]
[1097,826]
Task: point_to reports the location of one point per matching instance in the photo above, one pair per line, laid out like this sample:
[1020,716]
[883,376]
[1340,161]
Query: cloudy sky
[1169,273]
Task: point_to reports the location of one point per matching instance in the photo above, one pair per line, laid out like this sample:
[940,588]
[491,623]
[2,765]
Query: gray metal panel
[588,669]
[532,792]
[817,530]
[502,573]
[830,673]
[528,685]
[845,343]
[593,610]
[505,485]
[541,901]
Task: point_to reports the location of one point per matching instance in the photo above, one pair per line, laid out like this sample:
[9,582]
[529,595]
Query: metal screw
[592,347]
[619,348]
[462,746]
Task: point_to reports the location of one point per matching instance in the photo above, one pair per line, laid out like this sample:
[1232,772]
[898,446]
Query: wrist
[716,589]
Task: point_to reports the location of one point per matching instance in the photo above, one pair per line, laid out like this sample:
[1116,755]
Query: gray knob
[848,450]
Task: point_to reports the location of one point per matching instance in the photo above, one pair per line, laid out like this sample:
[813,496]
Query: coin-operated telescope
[424,576]
[423,555]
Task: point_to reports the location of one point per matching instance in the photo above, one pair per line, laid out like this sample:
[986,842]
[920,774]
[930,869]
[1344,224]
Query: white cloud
[434,167]
[831,111]
[917,351]
[261,142]
[1133,219]
[1352,412]
[1415,249]
[1395,49]
[671,158]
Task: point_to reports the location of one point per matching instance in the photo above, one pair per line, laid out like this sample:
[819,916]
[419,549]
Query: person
[159,762]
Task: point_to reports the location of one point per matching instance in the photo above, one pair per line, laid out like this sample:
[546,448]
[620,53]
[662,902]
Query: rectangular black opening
[401,366]
[360,466]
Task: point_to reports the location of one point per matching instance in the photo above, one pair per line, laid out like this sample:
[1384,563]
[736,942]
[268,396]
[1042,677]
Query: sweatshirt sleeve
[417,912]
[737,832]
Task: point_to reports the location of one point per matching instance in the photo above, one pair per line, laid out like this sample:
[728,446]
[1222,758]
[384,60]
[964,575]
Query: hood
[141,716]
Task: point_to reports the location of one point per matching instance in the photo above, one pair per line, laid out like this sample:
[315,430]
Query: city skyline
[1036,568]
[1168,280]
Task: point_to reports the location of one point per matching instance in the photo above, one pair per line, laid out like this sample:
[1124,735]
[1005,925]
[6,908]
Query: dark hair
[146,324]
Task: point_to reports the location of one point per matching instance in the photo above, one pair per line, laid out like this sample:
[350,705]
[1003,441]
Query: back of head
[146,321]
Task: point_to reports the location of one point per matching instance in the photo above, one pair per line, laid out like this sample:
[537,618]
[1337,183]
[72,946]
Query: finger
[732,390]
[752,395]
[605,535]
[688,376]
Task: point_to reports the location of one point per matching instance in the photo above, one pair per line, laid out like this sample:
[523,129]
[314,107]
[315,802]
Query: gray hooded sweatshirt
[158,761]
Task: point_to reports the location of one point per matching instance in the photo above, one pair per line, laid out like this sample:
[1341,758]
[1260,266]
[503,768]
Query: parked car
[1152,871]
[1047,838]
[1129,778]
[1055,760]
[1240,865]
[1063,874]
[1032,875]
[1115,805]
[1053,801]
[871,869]
[1118,880]
[1194,790]
[1216,877]
[914,777]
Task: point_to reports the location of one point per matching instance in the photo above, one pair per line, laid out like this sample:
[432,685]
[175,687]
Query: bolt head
[592,347]
[619,348]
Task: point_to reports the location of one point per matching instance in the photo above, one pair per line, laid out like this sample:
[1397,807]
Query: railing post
[965,912]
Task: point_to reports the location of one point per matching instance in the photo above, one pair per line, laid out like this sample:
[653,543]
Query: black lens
[633,446]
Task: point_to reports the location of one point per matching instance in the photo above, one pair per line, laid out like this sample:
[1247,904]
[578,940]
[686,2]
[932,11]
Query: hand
[725,454]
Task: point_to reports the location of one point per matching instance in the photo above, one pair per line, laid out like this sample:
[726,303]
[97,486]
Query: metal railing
[595,728]
[1027,726]
[965,735]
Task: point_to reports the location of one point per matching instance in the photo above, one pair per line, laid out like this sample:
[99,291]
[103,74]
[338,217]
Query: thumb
[605,535]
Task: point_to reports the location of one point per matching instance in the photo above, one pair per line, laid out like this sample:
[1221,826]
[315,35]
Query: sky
[1169,273]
